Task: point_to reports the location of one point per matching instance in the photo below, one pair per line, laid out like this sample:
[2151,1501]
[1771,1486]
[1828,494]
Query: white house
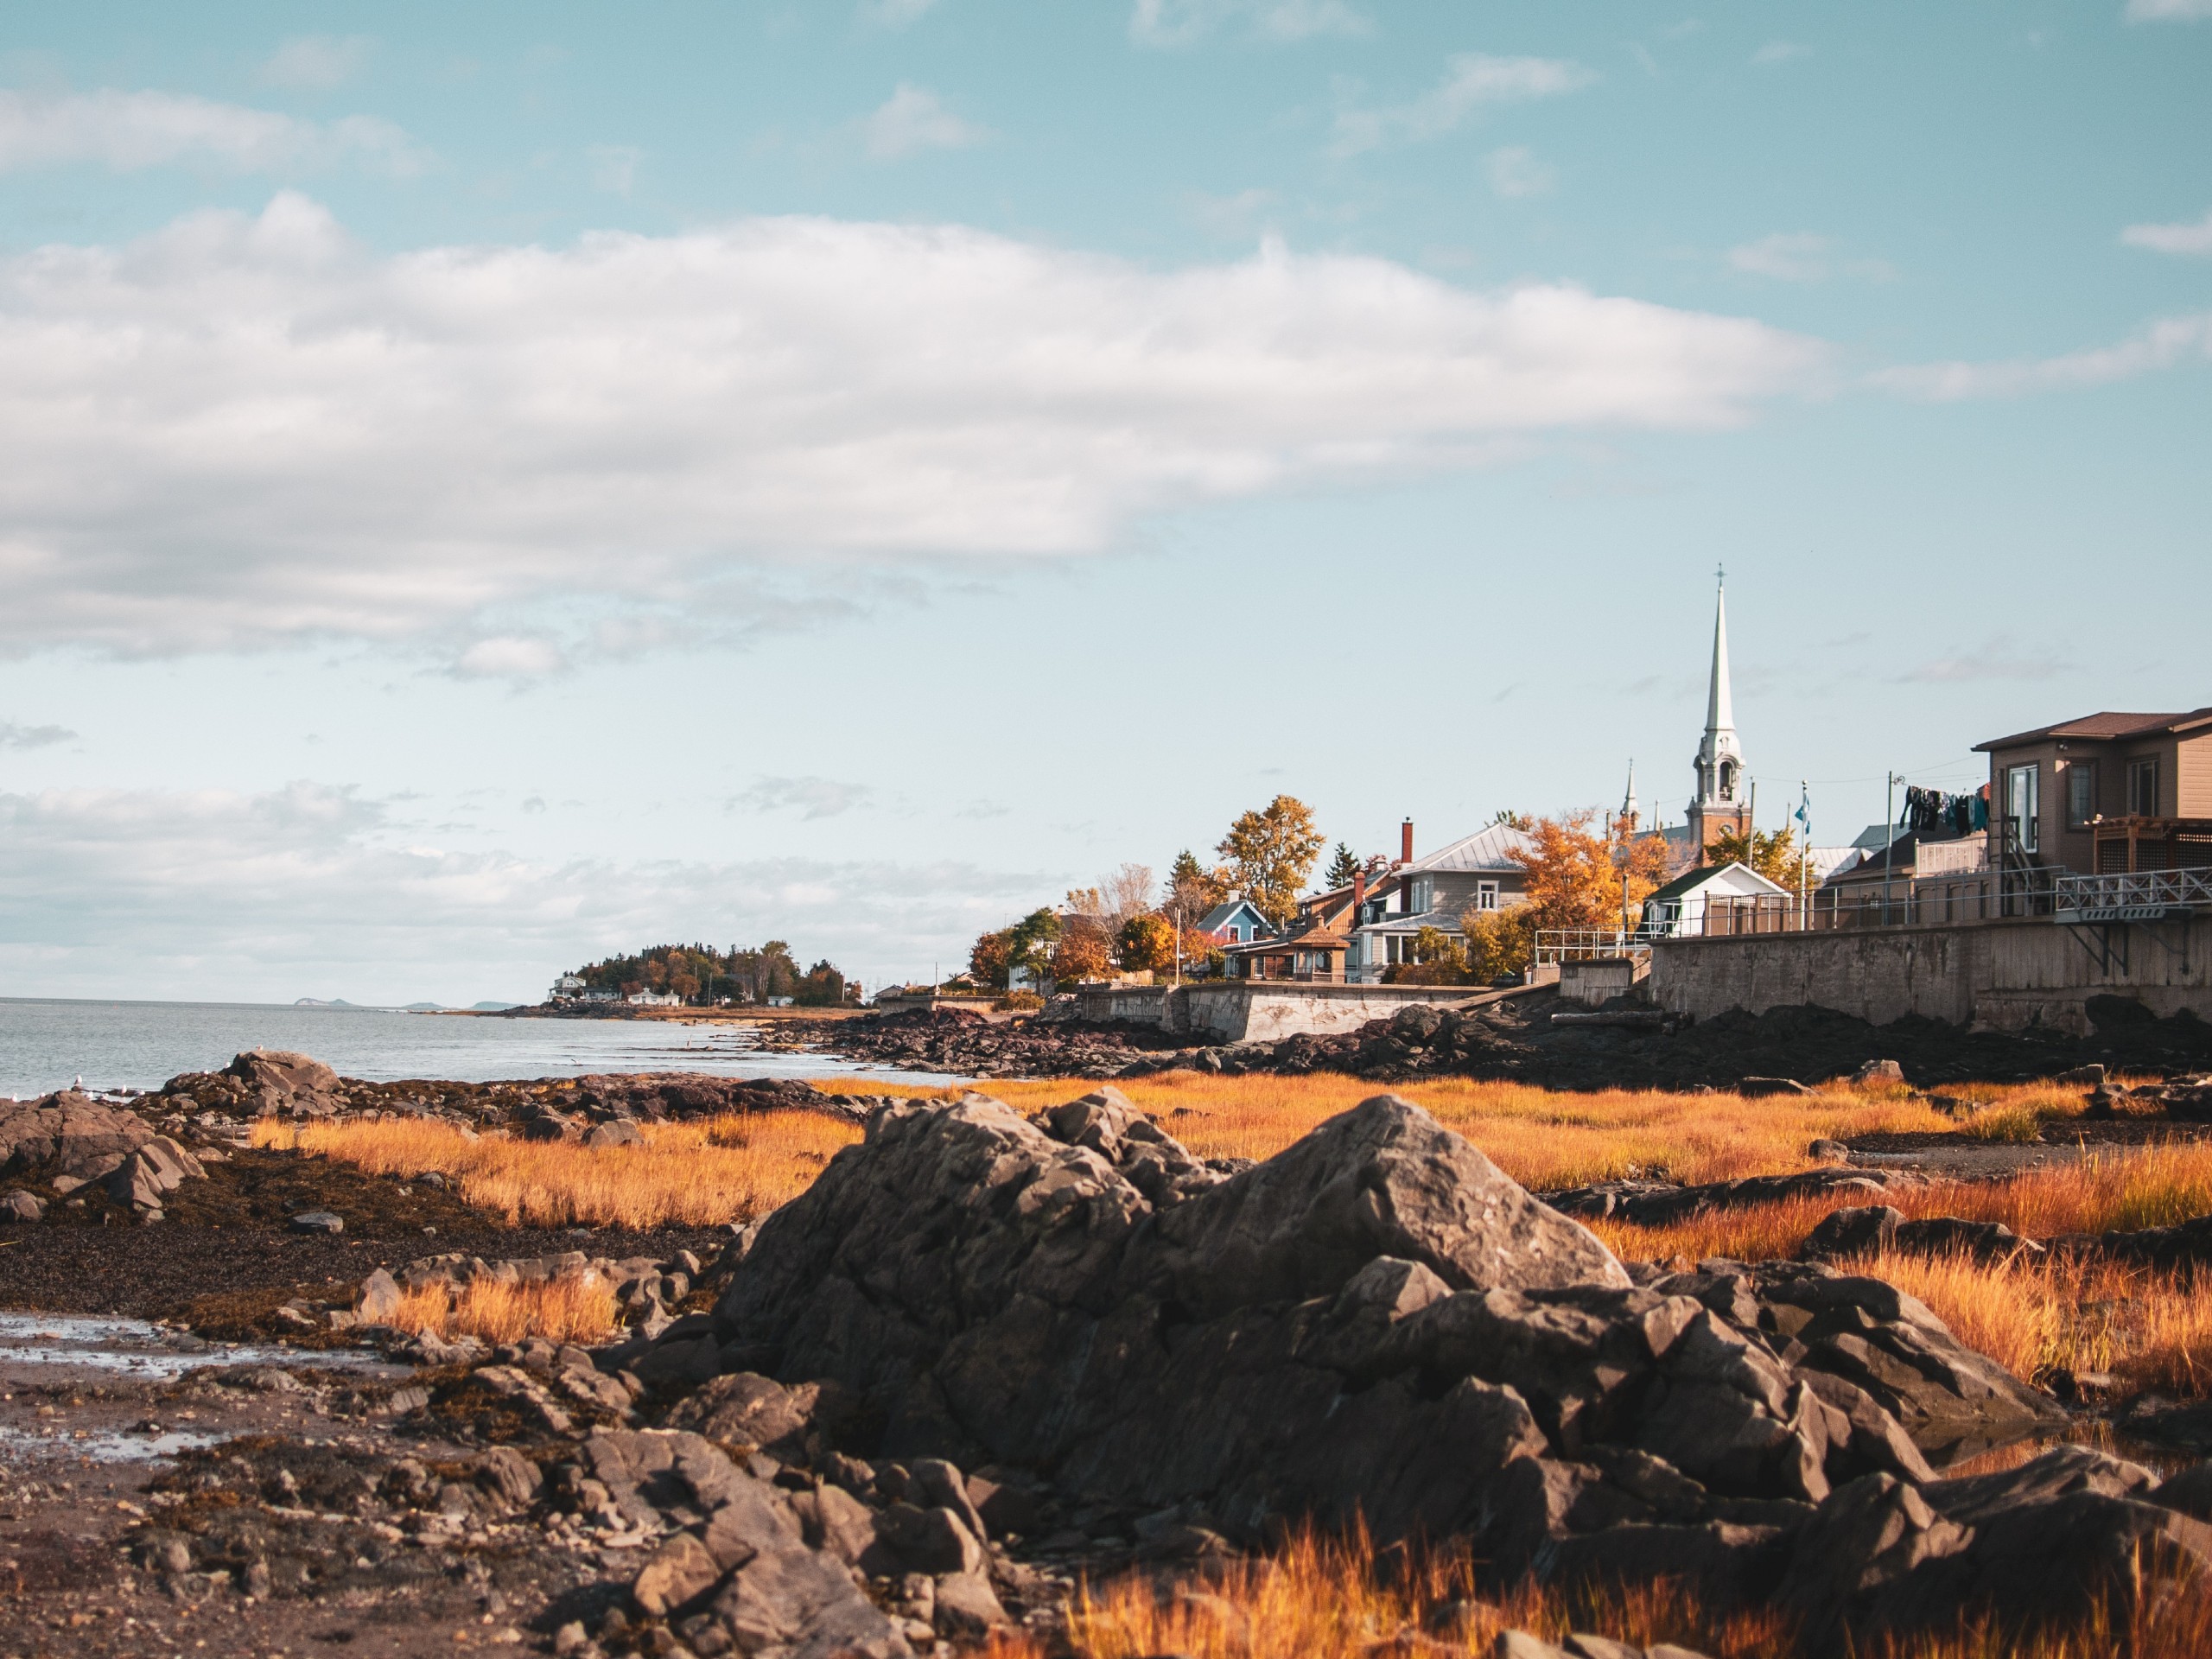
[565,988]
[1678,910]
[654,1000]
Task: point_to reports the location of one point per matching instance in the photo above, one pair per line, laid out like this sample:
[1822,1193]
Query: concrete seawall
[1237,1011]
[2008,976]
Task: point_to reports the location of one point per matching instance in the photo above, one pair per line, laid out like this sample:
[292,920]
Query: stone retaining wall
[1239,1011]
[2007,975]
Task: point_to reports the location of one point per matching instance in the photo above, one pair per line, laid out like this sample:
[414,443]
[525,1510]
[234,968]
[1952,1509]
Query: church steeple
[1629,813]
[1720,802]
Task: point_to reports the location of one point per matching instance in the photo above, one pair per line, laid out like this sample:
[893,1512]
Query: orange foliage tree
[1578,878]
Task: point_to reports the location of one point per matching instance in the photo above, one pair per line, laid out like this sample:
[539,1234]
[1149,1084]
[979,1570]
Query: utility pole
[1889,849]
[1177,914]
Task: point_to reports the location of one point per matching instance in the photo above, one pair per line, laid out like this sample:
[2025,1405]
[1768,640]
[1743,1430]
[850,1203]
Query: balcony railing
[2143,895]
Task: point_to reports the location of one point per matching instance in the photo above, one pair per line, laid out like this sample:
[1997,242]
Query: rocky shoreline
[1516,1039]
[984,1358]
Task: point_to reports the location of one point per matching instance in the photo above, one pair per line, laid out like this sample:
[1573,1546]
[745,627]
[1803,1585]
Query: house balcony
[2125,846]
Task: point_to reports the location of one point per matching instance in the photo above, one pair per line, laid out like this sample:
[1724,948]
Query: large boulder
[67,1135]
[1376,1329]
[1074,1295]
[2049,1542]
[276,1080]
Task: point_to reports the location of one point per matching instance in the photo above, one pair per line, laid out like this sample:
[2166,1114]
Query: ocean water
[46,1045]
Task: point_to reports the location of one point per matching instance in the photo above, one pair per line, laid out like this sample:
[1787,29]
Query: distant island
[409,1008]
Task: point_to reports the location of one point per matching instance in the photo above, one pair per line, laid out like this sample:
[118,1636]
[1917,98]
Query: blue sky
[488,485]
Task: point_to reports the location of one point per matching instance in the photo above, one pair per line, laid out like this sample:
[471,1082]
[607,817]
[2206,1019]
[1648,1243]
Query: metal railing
[2143,895]
[1590,943]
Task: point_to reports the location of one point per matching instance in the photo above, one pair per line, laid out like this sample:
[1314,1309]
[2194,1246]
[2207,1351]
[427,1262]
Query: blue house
[1238,922]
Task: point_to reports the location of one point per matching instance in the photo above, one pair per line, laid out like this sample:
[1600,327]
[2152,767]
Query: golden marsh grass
[701,1173]
[1543,1138]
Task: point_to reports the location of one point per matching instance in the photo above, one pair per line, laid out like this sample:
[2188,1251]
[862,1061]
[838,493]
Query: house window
[2143,788]
[1424,894]
[1485,895]
[2081,794]
[2023,803]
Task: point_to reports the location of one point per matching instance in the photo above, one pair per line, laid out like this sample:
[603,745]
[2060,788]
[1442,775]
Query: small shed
[1678,910]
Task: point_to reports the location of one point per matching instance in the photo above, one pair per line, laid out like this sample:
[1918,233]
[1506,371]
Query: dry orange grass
[2123,1191]
[1319,1599]
[1543,1138]
[577,1309]
[701,1173]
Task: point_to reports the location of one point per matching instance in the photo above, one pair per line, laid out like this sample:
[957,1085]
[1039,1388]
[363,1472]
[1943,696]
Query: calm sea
[46,1045]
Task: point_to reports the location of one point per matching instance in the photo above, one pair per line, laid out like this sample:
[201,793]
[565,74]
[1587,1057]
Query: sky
[482,487]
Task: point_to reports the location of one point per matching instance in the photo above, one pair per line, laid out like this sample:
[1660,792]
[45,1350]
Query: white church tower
[1721,801]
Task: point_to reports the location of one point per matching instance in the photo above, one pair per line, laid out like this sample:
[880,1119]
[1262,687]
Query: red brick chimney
[1358,894]
[1406,841]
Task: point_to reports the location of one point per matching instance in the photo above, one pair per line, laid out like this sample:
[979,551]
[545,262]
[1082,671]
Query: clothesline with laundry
[1932,812]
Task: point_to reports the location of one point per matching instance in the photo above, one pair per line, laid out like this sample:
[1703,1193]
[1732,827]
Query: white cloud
[1776,52]
[312,889]
[510,656]
[13,736]
[2171,239]
[125,131]
[247,429]
[894,14]
[316,63]
[913,118]
[1787,256]
[2168,12]
[614,167]
[1515,171]
[818,798]
[1471,81]
[2164,344]
[1997,657]
[1179,22]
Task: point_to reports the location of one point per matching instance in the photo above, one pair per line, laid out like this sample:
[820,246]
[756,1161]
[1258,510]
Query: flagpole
[1805,847]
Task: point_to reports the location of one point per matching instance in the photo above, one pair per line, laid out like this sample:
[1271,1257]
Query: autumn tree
[1030,942]
[1270,853]
[1083,950]
[1193,889]
[1578,878]
[1439,959]
[1344,868]
[1773,853]
[1146,941]
[988,957]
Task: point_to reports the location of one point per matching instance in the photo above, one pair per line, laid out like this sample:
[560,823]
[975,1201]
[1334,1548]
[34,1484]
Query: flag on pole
[1804,812]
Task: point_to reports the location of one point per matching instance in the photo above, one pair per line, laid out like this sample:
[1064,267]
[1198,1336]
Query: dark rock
[1851,1232]
[1659,1204]
[16,1205]
[966,1607]
[1880,1072]
[676,1574]
[1985,1241]
[1829,1152]
[67,1134]
[615,1132]
[378,1299]
[2046,1542]
[317,1220]
[275,1080]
